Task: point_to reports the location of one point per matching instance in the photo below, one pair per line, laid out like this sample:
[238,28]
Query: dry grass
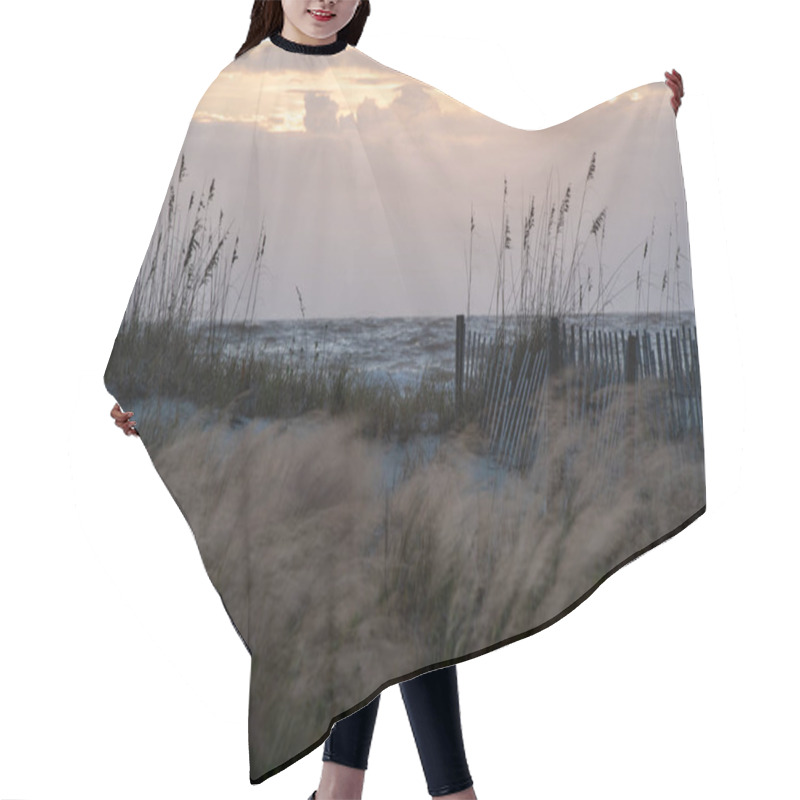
[344,561]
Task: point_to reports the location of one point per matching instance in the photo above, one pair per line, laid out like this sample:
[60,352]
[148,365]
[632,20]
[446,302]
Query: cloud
[321,113]
[411,104]
[413,101]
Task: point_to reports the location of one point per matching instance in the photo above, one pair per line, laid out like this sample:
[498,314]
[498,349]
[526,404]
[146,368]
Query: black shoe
[313,795]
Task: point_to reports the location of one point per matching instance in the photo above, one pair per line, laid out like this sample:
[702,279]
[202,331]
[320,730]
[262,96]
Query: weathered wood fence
[505,384]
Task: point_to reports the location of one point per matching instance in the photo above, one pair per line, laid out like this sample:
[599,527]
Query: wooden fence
[505,384]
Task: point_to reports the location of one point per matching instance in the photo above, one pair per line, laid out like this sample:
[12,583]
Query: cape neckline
[309,49]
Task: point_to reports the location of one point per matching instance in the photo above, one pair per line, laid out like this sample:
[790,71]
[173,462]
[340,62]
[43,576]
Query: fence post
[555,346]
[631,366]
[459,362]
[631,357]
[555,416]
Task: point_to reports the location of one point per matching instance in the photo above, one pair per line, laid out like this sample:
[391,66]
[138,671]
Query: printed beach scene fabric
[419,381]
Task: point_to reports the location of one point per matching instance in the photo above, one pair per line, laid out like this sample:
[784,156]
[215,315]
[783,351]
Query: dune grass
[175,339]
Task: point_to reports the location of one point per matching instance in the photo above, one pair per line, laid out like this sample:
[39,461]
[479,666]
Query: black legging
[432,705]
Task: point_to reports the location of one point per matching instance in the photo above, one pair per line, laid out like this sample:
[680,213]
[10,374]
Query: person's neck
[294,34]
[316,49]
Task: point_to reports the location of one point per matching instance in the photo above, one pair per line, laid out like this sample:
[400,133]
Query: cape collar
[310,49]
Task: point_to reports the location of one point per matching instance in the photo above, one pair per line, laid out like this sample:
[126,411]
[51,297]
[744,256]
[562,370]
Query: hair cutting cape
[419,381]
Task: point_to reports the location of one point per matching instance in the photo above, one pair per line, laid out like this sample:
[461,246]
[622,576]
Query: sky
[366,181]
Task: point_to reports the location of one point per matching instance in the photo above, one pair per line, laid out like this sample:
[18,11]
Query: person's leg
[433,710]
[346,753]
